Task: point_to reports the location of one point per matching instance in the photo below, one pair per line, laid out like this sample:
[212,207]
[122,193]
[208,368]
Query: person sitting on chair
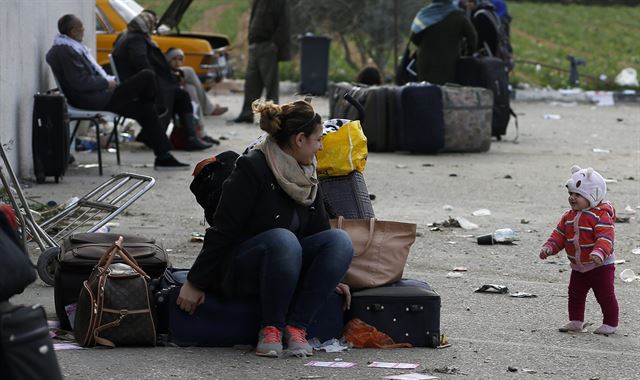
[188,80]
[86,85]
[134,51]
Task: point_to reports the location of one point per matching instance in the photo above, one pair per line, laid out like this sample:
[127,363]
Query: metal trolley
[87,213]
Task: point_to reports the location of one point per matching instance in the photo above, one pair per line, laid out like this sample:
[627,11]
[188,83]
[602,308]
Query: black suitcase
[377,123]
[81,252]
[50,139]
[26,351]
[419,118]
[407,310]
[347,196]
[491,73]
[221,322]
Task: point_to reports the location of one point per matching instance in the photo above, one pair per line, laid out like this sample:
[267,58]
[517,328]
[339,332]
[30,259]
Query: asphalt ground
[522,184]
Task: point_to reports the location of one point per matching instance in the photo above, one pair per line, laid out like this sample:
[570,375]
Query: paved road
[488,332]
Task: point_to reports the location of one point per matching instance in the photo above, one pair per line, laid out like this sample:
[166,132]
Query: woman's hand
[190,298]
[596,259]
[343,290]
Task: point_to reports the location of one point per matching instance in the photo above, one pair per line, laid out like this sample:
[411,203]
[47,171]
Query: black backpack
[208,177]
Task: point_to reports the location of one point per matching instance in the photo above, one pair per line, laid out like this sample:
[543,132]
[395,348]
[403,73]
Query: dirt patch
[209,18]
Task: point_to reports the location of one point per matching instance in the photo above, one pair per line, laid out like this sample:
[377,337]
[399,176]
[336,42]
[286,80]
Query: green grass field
[607,37]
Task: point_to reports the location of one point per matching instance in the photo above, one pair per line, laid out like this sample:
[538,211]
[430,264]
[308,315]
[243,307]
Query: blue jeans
[292,277]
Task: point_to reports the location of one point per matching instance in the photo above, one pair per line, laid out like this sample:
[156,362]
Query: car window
[127,9]
[101,28]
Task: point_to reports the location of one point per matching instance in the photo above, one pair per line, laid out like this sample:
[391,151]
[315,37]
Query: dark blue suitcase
[419,118]
[222,322]
[407,310]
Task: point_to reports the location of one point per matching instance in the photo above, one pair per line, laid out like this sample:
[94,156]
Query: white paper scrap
[330,364]
[67,346]
[394,365]
[410,376]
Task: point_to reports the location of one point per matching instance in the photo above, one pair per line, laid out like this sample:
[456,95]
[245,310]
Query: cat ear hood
[588,183]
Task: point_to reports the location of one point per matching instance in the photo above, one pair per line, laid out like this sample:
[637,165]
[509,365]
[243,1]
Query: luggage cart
[87,213]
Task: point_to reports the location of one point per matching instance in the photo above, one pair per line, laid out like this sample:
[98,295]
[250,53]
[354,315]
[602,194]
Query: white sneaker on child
[605,330]
[572,326]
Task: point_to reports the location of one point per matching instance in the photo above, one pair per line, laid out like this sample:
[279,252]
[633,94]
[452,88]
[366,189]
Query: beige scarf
[300,182]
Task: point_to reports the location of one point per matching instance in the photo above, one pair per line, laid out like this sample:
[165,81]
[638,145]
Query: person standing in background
[438,30]
[269,43]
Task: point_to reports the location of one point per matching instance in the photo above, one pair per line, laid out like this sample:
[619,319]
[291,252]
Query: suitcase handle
[356,104]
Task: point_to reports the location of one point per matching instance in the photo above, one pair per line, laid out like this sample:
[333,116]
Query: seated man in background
[86,85]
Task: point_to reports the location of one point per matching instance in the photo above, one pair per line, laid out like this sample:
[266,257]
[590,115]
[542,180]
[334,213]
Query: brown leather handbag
[380,250]
[115,306]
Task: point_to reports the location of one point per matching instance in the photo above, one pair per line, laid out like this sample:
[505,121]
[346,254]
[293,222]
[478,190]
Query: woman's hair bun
[270,115]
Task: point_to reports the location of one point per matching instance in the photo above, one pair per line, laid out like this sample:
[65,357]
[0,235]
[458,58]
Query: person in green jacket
[441,31]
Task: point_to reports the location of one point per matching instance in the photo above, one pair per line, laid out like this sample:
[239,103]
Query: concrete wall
[27,28]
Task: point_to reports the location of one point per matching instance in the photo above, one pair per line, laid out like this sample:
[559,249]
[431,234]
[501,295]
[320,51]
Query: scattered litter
[610,180]
[393,365]
[454,275]
[492,288]
[621,261]
[524,221]
[486,239]
[372,196]
[446,223]
[522,295]
[451,242]
[601,98]
[508,176]
[449,370]
[505,236]
[223,138]
[137,166]
[330,364]
[460,269]
[419,233]
[481,212]
[526,370]
[512,369]
[332,345]
[622,218]
[88,166]
[67,346]
[444,342]
[453,175]
[627,77]
[636,251]
[466,224]
[401,166]
[435,229]
[628,275]
[427,165]
[550,116]
[447,208]
[197,237]
[629,209]
[410,376]
[599,150]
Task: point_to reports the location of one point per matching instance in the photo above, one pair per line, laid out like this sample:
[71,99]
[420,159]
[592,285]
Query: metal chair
[94,117]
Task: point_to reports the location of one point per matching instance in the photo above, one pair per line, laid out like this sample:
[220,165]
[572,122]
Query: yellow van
[205,52]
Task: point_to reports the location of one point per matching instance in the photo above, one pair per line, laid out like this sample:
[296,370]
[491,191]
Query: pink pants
[600,280]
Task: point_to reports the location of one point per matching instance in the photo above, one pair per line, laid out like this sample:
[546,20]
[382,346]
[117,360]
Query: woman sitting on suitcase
[270,234]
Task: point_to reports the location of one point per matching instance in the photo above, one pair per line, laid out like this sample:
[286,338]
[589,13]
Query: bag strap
[517,128]
[118,249]
[372,227]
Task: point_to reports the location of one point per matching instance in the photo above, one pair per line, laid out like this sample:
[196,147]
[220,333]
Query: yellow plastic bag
[344,148]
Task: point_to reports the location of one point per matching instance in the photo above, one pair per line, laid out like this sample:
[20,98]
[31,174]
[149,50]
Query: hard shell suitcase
[81,252]
[378,121]
[419,119]
[491,73]
[26,351]
[224,322]
[407,310]
[347,196]
[467,119]
[50,136]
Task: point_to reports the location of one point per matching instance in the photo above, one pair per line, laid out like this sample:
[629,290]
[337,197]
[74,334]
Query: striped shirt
[585,233]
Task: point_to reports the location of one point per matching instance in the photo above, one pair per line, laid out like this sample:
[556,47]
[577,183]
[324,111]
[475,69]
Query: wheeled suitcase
[419,119]
[467,118]
[347,196]
[50,136]
[81,252]
[26,351]
[491,73]
[377,123]
[407,310]
[224,322]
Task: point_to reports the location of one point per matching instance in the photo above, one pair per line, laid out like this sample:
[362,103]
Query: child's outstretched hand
[596,260]
[545,252]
